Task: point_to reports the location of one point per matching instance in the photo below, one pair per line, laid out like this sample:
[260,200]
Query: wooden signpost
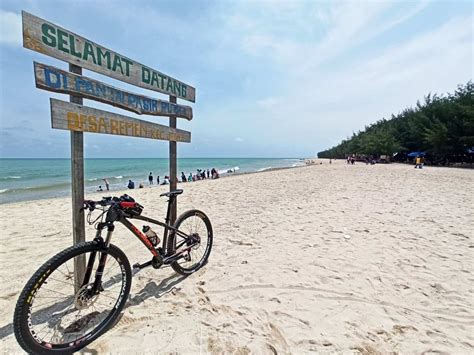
[47,38]
[79,118]
[54,41]
[57,80]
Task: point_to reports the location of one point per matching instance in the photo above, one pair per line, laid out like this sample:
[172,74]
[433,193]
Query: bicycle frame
[115,216]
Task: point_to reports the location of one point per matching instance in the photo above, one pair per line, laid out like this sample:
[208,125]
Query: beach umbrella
[416,154]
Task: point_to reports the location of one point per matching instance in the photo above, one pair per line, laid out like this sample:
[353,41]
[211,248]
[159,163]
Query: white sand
[325,258]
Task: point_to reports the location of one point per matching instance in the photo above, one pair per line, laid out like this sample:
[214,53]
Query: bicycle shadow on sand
[150,290]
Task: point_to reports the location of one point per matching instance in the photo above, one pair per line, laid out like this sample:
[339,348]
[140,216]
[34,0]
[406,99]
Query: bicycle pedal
[141,266]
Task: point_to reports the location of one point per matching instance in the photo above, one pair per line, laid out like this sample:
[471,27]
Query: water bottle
[151,235]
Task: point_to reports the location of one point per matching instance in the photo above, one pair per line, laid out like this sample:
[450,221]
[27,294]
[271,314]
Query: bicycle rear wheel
[198,227]
[50,317]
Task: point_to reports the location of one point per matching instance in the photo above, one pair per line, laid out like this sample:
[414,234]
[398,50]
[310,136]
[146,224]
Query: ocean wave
[298,164]
[120,177]
[53,187]
[3,190]
[10,177]
[263,169]
[229,170]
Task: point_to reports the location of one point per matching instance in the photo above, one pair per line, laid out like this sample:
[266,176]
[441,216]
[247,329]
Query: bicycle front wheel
[52,317]
[197,246]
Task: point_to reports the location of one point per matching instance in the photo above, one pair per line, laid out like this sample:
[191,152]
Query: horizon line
[294,157]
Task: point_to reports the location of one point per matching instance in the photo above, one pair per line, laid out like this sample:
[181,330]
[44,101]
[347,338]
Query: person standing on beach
[208,173]
[419,162]
[106,183]
[158,180]
[183,177]
[150,178]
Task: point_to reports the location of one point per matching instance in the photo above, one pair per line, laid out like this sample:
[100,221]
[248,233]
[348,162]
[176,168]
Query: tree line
[442,127]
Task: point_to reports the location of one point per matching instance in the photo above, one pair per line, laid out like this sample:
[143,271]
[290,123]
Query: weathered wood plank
[49,39]
[79,118]
[173,167]
[77,190]
[56,80]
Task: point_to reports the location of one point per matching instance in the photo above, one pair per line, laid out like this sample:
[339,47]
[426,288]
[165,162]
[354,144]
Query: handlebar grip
[89,204]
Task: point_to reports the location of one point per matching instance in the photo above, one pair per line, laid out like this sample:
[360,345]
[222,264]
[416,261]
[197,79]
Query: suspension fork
[103,258]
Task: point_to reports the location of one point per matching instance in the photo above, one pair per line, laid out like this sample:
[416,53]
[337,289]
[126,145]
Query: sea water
[32,179]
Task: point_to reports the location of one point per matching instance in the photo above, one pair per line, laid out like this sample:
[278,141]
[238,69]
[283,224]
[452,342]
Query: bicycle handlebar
[106,201]
[91,205]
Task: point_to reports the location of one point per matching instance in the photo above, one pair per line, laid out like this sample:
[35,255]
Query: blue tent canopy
[416,154]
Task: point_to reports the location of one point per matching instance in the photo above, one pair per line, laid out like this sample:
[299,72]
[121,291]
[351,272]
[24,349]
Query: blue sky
[272,78]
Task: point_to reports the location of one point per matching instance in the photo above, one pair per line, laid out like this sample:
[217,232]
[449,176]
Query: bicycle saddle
[172,193]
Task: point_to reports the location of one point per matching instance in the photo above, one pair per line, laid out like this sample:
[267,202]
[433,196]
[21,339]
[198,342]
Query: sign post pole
[173,164]
[77,183]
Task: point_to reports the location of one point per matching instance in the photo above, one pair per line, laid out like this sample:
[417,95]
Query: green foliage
[443,126]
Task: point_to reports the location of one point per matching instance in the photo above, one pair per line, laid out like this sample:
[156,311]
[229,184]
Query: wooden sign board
[72,117]
[57,80]
[47,38]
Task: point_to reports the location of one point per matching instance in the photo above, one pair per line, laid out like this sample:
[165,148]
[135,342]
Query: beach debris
[239,242]
[347,236]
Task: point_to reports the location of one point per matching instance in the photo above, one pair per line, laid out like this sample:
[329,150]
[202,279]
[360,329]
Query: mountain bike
[62,308]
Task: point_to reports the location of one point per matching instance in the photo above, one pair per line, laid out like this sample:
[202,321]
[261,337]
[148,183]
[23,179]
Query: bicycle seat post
[171,201]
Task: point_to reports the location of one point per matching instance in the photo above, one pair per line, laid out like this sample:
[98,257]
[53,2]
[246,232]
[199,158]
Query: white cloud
[10,28]
[348,24]
[331,102]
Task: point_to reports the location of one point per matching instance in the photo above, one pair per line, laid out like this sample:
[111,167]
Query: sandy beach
[317,259]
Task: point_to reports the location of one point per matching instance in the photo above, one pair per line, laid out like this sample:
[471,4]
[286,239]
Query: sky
[272,78]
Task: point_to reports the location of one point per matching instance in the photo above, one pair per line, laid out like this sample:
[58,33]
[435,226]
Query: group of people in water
[199,175]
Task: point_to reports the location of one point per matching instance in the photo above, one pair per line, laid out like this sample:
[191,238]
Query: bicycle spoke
[68,275]
[43,304]
[55,292]
[108,271]
[68,283]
